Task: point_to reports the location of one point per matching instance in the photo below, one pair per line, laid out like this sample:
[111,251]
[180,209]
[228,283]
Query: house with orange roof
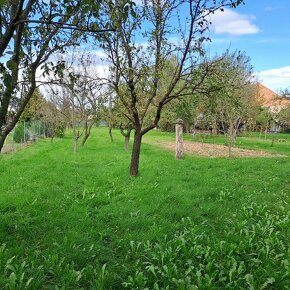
[270,100]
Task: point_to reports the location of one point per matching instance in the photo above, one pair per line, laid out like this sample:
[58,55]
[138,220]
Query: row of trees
[225,102]
[157,65]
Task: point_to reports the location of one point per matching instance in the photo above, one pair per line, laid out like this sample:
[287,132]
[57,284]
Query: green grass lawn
[80,222]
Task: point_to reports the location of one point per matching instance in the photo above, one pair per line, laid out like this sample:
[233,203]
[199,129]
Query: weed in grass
[245,259]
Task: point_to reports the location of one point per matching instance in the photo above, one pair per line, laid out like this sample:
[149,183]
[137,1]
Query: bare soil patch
[214,150]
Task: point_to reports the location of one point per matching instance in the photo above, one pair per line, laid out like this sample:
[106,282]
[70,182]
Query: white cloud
[276,79]
[231,22]
[268,8]
[271,8]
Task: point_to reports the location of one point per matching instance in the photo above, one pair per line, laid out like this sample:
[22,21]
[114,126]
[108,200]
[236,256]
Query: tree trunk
[75,145]
[214,130]
[266,130]
[2,141]
[126,135]
[126,143]
[230,149]
[9,127]
[88,128]
[110,132]
[273,140]
[187,127]
[231,138]
[86,136]
[134,166]
[76,138]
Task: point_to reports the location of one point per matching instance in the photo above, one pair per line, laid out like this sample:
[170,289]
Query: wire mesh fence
[23,133]
[28,131]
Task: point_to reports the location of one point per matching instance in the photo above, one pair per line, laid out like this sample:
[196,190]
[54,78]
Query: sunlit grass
[75,221]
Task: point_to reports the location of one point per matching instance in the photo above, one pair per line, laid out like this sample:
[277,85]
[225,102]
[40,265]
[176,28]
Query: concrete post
[179,139]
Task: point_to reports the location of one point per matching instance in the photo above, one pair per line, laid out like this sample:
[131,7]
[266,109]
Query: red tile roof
[269,99]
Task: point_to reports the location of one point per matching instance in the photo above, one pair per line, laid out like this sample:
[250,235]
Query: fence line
[28,131]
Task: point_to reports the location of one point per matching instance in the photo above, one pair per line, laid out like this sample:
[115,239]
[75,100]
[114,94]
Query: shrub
[21,134]
[60,129]
[55,130]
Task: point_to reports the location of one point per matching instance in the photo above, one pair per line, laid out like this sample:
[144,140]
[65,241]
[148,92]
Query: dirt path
[214,150]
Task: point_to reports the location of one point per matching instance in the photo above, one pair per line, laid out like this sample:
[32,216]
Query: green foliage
[59,273]
[21,134]
[2,2]
[263,117]
[32,110]
[284,118]
[60,130]
[53,120]
[168,118]
[55,128]
[197,260]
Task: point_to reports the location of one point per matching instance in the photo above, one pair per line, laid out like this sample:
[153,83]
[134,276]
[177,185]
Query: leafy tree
[263,119]
[232,95]
[284,118]
[188,110]
[53,120]
[79,94]
[168,118]
[138,70]
[111,112]
[31,111]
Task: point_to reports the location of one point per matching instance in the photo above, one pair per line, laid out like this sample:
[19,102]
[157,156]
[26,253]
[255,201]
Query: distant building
[266,98]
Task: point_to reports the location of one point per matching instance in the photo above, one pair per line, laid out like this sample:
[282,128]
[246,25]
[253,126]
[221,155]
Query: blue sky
[260,28]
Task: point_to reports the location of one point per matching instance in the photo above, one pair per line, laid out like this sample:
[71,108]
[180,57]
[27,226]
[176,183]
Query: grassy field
[80,222]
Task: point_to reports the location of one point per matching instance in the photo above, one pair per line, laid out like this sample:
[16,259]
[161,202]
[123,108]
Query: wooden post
[179,139]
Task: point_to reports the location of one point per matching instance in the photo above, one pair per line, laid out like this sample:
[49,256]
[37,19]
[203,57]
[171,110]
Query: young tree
[233,93]
[88,91]
[53,120]
[283,115]
[126,134]
[188,110]
[138,70]
[79,93]
[110,111]
[284,118]
[263,119]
